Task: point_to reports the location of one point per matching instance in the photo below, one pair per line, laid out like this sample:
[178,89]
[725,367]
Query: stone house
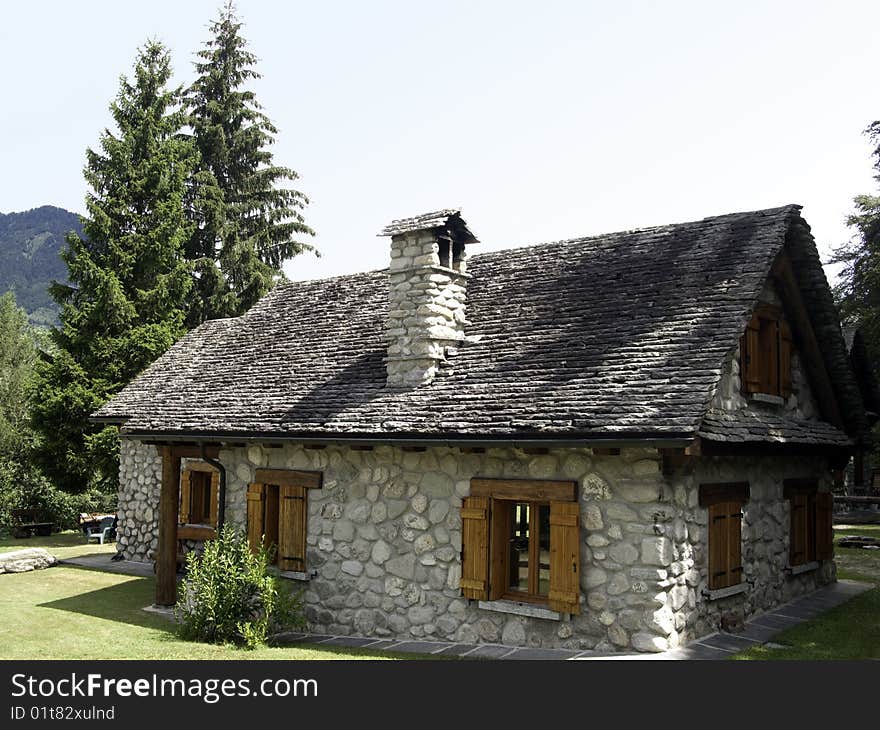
[618,442]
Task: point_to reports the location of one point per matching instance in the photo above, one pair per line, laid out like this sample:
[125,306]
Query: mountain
[30,244]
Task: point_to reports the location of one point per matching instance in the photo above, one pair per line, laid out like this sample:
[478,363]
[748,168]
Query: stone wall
[765,543]
[384,540]
[426,312]
[140,482]
[801,404]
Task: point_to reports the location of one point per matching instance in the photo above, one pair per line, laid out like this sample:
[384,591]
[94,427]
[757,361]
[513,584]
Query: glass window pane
[518,556]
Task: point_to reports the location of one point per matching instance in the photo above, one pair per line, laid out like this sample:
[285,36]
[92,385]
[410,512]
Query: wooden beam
[805,338]
[525,489]
[289,477]
[166,561]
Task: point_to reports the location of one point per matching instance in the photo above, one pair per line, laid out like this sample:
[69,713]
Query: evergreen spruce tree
[858,287]
[246,223]
[129,279]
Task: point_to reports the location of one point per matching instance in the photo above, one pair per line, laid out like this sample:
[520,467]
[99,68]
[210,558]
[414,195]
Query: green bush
[230,595]
[25,488]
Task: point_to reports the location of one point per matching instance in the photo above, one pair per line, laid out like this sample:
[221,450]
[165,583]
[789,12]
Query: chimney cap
[446,218]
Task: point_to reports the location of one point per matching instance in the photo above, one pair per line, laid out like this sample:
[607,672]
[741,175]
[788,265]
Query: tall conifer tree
[129,279]
[247,222]
[858,287]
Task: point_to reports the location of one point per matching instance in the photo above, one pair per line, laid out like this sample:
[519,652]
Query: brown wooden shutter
[798,535]
[255,526]
[718,535]
[749,366]
[824,528]
[475,548]
[564,557]
[768,339]
[499,534]
[734,544]
[185,497]
[784,359]
[725,544]
[215,497]
[291,527]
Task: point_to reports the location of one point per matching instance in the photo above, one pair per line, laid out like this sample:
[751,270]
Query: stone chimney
[427,286]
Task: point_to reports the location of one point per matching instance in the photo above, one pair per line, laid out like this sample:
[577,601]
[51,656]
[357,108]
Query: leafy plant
[231,596]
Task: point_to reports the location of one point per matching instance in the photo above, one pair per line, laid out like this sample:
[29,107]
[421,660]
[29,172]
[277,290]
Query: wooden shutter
[215,497]
[256,494]
[784,359]
[768,339]
[725,544]
[798,534]
[475,548]
[291,527]
[564,557]
[749,366]
[185,497]
[499,534]
[824,528]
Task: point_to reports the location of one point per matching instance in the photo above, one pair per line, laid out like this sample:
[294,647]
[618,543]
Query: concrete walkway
[759,630]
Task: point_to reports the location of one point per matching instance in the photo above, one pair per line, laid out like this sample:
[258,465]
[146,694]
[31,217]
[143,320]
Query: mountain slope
[30,244]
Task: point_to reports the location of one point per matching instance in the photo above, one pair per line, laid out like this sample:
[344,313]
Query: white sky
[541,120]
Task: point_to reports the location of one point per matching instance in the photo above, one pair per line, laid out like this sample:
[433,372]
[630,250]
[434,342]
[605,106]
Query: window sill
[720,593]
[803,568]
[519,608]
[293,575]
[195,532]
[768,399]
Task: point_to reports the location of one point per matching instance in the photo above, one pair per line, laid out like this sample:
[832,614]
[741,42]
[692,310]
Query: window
[725,504]
[810,535]
[277,509]
[520,541]
[765,353]
[199,490]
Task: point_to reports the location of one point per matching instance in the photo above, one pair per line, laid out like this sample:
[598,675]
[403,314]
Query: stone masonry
[426,312]
[384,540]
[140,482]
[800,404]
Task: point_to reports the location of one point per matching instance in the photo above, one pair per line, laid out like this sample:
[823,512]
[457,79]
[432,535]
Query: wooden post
[166,564]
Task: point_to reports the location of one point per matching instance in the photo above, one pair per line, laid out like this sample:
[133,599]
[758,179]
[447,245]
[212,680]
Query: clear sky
[541,120]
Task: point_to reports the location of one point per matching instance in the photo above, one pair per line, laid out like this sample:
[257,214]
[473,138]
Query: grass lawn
[850,631]
[76,613]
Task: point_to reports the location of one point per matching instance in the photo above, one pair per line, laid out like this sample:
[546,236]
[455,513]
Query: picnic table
[26,524]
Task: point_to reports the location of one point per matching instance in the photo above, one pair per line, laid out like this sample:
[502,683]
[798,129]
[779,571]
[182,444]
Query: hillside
[30,243]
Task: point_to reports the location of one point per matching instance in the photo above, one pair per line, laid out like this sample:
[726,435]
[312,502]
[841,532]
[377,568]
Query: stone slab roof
[614,336]
[743,426]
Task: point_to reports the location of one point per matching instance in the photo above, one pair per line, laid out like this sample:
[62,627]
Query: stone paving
[758,630]
[720,645]
[103,562]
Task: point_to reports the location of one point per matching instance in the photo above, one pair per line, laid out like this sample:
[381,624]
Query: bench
[25,524]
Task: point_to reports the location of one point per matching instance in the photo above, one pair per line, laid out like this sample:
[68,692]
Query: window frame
[804,494]
[724,501]
[765,353]
[485,541]
[201,528]
[266,512]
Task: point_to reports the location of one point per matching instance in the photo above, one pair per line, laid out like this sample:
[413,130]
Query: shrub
[26,488]
[230,595]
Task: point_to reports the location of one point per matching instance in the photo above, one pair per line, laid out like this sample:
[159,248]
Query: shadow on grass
[61,539]
[123,603]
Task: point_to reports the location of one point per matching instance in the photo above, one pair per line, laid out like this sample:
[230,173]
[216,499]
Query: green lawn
[850,631]
[76,613]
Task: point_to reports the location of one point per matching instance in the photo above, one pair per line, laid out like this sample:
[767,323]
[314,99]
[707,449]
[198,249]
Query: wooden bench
[25,524]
